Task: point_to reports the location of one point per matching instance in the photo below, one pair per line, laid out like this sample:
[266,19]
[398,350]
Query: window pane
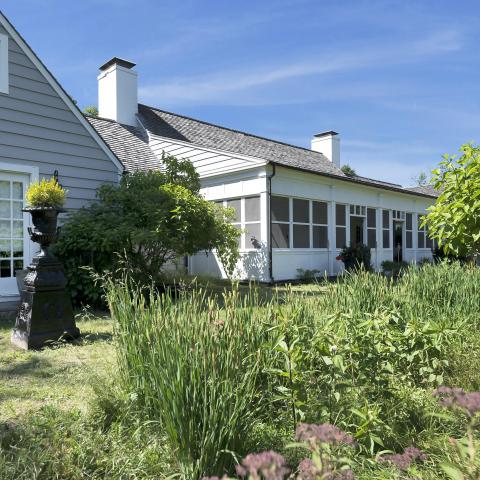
[239,238]
[409,238]
[280,235]
[17,230]
[5,228]
[320,237]
[420,220]
[17,191]
[236,205]
[253,235]
[17,265]
[17,209]
[17,248]
[4,189]
[301,236]
[5,248]
[386,238]
[386,218]
[5,209]
[421,240]
[429,242]
[340,216]
[320,212]
[252,209]
[5,268]
[280,209]
[341,237]
[371,217]
[352,209]
[301,211]
[409,221]
[372,238]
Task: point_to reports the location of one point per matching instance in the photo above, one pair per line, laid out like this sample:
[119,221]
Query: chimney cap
[118,61]
[324,134]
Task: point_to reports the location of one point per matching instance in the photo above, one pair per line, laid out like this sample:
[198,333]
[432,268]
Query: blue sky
[398,80]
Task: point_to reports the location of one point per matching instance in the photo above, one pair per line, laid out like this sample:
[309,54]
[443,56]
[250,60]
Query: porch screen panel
[319,224]
[421,232]
[252,223]
[386,228]
[280,213]
[340,225]
[409,230]
[11,228]
[301,223]
[371,228]
[236,204]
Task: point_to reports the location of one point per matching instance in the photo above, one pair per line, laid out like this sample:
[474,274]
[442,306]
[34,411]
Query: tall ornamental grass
[193,367]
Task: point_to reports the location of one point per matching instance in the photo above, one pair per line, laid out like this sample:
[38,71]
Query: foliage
[454,219]
[348,170]
[356,257]
[91,110]
[193,368]
[421,179]
[307,275]
[395,268]
[46,193]
[150,219]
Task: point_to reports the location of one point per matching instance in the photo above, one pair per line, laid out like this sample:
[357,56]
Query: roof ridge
[379,181]
[235,130]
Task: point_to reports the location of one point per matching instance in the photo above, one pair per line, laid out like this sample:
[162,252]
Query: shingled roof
[129,144]
[424,189]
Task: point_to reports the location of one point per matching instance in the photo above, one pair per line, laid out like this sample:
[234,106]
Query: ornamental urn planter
[45,313]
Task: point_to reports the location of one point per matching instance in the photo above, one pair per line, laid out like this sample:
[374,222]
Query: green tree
[421,179]
[91,110]
[348,170]
[454,219]
[147,220]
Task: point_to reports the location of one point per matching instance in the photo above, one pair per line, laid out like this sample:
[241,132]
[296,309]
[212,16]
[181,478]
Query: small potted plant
[45,200]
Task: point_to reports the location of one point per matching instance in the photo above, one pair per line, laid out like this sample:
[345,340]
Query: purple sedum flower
[457,397]
[404,460]
[323,433]
[267,465]
[307,470]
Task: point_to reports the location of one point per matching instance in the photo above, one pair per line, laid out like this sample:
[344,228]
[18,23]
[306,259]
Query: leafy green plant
[45,193]
[307,275]
[454,219]
[394,268]
[358,256]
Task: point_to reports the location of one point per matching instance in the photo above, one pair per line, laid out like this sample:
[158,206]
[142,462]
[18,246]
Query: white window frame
[284,222]
[423,230]
[369,228]
[305,224]
[388,228]
[409,231]
[324,249]
[345,227]
[4,87]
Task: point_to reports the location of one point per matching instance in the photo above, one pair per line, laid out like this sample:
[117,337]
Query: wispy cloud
[220,85]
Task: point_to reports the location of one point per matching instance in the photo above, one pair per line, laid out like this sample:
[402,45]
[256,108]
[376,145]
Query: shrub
[150,219]
[46,193]
[394,268]
[356,257]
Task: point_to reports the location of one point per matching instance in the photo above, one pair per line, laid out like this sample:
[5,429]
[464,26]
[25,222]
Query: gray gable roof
[129,144]
[179,127]
[424,189]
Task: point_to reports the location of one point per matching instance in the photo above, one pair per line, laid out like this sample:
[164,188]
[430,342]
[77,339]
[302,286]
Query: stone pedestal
[45,314]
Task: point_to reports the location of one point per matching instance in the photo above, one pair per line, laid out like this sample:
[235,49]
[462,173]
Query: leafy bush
[307,275]
[150,219]
[395,268]
[356,257]
[46,193]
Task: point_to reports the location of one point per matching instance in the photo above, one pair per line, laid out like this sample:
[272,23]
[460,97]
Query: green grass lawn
[57,376]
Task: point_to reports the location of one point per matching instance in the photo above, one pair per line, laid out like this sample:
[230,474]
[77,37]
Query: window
[371,228]
[3,63]
[358,210]
[301,223]
[320,225]
[341,225]
[247,217]
[386,228]
[280,208]
[398,215]
[11,227]
[424,241]
[409,230]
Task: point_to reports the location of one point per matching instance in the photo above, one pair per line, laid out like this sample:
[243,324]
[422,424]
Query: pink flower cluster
[266,465]
[405,459]
[458,398]
[323,433]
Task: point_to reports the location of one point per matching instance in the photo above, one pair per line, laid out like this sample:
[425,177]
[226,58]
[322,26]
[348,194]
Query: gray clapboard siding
[37,128]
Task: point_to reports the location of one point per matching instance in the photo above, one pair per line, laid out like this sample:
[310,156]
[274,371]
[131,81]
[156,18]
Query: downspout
[269,222]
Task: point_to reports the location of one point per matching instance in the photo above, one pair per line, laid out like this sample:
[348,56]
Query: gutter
[269,223]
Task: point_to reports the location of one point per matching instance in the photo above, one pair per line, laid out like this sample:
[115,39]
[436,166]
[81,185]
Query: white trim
[60,91]
[4,83]
[16,168]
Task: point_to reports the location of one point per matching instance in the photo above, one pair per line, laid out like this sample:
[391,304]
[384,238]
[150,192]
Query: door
[14,243]
[397,241]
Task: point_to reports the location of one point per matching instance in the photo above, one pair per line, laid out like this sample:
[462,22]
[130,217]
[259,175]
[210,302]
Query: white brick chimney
[117,91]
[328,143]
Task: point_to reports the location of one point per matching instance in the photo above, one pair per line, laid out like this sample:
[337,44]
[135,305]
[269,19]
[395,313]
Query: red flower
[340,257]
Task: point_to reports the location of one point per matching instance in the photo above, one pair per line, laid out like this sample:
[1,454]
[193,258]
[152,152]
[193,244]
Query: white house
[297,207]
